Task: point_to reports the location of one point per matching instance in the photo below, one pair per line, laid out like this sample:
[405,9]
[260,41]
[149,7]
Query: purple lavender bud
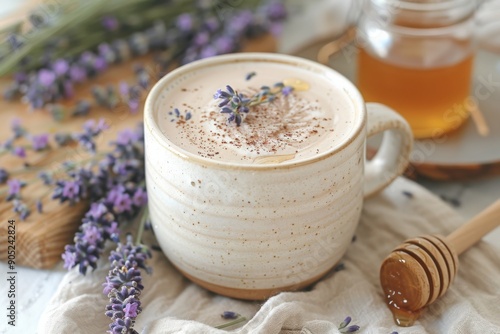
[77,74]
[40,142]
[21,209]
[14,189]
[226,110]
[140,197]
[39,206]
[133,105]
[211,24]
[92,235]
[223,103]
[352,329]
[19,151]
[229,315]
[207,52]
[238,119]
[20,77]
[68,91]
[276,11]
[131,310]
[71,190]
[184,22]
[122,203]
[69,257]
[346,322]
[4,175]
[123,88]
[201,38]
[100,64]
[225,44]
[60,67]
[287,90]
[110,23]
[46,77]
[250,75]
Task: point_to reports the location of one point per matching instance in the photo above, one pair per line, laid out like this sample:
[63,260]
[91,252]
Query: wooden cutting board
[41,238]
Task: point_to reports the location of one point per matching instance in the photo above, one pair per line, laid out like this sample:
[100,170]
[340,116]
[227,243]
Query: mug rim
[353,94]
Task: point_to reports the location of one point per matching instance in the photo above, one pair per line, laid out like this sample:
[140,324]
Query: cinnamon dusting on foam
[277,131]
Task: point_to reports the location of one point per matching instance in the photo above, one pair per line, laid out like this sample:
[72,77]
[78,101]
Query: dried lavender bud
[21,209]
[19,151]
[229,315]
[40,142]
[14,189]
[4,175]
[345,328]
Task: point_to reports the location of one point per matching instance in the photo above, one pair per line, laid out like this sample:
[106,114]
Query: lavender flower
[40,142]
[110,23]
[345,328]
[46,77]
[71,191]
[236,105]
[21,209]
[123,285]
[14,189]
[117,195]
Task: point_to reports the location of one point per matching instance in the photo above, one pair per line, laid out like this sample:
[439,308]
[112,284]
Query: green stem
[144,218]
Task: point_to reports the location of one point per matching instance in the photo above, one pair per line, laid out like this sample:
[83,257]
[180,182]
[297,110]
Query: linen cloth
[172,304]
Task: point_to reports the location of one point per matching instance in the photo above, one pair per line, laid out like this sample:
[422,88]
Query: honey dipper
[421,269]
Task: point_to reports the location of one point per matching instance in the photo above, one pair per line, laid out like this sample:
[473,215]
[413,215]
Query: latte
[314,118]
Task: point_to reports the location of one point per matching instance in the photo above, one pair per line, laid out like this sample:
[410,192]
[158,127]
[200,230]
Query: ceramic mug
[299,217]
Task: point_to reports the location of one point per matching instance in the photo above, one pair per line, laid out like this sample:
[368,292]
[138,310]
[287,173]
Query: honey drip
[414,275]
[297,84]
[273,159]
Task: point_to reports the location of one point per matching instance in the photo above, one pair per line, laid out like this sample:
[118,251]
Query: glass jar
[416,56]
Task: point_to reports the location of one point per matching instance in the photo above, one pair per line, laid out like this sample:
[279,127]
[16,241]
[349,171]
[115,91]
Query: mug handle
[393,156]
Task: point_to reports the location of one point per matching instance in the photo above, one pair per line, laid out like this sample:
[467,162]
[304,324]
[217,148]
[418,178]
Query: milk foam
[297,127]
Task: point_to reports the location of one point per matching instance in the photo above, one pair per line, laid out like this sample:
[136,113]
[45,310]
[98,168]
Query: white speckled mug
[249,230]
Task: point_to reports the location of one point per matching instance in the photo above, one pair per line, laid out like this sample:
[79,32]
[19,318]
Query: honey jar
[416,56]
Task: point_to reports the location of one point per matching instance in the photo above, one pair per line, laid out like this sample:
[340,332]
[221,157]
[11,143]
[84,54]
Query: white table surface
[36,287]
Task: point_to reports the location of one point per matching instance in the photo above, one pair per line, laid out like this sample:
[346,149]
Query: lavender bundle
[178,31]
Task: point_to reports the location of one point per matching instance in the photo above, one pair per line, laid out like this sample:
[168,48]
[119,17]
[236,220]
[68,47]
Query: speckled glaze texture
[250,231]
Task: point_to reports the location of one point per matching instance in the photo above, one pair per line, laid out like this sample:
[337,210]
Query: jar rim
[424,5]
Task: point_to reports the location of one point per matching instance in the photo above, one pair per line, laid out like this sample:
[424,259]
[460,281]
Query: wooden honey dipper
[421,269]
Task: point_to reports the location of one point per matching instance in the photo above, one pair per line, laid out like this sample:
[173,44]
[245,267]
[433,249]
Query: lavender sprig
[118,194]
[181,37]
[124,285]
[237,105]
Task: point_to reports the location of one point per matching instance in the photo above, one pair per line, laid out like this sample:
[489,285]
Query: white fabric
[171,304]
